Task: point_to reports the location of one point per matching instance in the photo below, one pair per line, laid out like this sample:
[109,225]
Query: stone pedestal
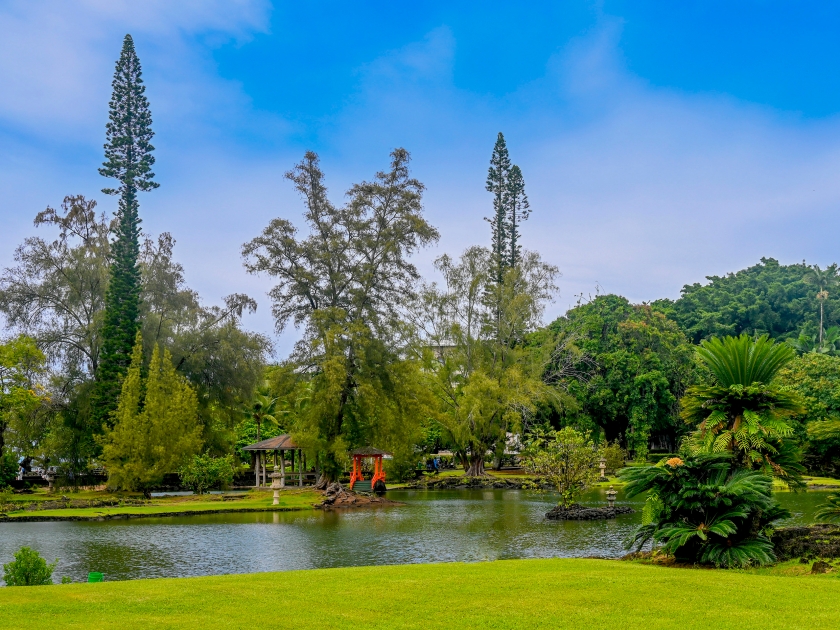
[603,466]
[611,497]
[275,484]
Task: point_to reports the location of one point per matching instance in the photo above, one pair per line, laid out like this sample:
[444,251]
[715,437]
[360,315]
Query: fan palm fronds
[744,361]
[829,511]
[742,411]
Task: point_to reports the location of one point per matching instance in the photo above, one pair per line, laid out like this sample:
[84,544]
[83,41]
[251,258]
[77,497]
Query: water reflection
[433,526]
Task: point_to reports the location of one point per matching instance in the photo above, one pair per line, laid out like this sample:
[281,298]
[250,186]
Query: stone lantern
[611,497]
[276,477]
[603,466]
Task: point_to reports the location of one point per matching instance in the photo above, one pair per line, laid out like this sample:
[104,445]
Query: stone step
[362,486]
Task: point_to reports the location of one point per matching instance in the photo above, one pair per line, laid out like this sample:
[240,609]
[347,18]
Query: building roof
[277,443]
[368,451]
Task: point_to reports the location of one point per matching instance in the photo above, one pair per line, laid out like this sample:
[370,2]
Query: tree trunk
[821,323]
[476,467]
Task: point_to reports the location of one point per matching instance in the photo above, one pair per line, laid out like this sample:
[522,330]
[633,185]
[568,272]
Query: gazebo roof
[368,451]
[277,443]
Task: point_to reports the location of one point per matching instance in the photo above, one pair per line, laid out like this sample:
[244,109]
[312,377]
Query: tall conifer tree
[129,160]
[497,183]
[518,211]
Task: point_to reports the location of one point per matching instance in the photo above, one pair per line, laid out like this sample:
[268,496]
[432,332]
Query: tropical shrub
[203,472]
[742,410]
[705,509]
[28,569]
[566,458]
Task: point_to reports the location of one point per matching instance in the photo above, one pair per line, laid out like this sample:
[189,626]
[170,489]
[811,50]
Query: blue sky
[660,142]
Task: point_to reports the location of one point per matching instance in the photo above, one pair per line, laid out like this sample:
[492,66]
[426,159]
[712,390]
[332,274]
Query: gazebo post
[283,469]
[257,469]
[263,468]
[300,468]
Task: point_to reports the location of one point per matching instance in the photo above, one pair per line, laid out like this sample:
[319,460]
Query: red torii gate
[361,454]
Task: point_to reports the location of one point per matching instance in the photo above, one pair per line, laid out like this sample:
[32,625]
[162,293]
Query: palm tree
[823,279]
[742,411]
[262,410]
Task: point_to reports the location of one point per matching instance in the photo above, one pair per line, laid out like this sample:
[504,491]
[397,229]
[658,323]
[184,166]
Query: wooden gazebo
[278,444]
[357,478]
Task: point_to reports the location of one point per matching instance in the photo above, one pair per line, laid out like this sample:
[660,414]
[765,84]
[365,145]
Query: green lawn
[511,594]
[252,501]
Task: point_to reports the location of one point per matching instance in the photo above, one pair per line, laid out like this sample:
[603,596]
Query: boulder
[813,541]
[579,512]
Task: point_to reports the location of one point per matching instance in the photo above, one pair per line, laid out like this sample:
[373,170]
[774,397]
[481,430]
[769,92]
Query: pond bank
[120,508]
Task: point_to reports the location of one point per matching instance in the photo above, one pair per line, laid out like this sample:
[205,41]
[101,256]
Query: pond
[433,526]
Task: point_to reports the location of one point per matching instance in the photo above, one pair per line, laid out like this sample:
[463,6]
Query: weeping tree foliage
[705,509]
[21,365]
[484,380]
[743,410]
[129,160]
[155,427]
[55,294]
[344,282]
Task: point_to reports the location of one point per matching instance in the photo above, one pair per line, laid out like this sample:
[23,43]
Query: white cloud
[636,188]
[633,188]
[57,57]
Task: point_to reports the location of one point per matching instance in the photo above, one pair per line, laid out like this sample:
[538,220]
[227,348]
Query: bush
[8,469]
[28,569]
[615,457]
[566,458]
[6,495]
[704,510]
[203,473]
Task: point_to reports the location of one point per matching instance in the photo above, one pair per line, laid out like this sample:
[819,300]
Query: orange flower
[674,462]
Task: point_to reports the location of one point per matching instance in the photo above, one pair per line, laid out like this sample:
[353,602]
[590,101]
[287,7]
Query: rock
[582,513]
[813,541]
[470,483]
[820,567]
[336,496]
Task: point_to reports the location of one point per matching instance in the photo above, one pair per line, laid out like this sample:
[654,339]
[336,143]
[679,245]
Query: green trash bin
[95,576]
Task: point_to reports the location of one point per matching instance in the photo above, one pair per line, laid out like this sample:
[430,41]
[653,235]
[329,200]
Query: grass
[510,594]
[248,502]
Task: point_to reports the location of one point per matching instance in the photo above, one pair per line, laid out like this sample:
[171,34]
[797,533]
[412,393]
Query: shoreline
[26,518]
